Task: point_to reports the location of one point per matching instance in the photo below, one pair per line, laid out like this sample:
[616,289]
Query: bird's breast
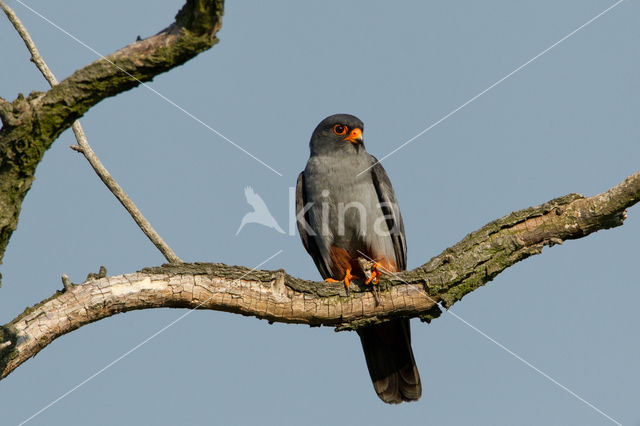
[345,206]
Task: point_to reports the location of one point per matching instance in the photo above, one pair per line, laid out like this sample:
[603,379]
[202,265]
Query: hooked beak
[355,136]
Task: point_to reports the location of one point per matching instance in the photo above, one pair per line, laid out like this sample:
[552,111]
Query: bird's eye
[340,130]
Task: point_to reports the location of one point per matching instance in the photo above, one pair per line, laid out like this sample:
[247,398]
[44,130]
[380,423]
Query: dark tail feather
[393,371]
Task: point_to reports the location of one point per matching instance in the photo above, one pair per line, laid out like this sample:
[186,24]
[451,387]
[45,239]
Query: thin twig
[35,55]
[124,199]
[85,148]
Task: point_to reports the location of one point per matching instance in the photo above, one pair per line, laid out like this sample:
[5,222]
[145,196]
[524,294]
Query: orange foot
[346,280]
[375,274]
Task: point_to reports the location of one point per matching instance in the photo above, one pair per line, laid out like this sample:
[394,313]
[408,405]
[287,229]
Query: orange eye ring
[340,129]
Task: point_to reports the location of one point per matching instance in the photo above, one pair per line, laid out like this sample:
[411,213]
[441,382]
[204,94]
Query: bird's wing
[387,346]
[254,199]
[391,211]
[309,241]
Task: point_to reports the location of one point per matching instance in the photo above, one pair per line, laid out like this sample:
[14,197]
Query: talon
[346,280]
[375,274]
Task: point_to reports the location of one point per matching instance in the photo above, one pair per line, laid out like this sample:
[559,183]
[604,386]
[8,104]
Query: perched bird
[343,215]
[260,213]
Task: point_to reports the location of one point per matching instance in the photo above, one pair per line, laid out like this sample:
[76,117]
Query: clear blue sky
[565,123]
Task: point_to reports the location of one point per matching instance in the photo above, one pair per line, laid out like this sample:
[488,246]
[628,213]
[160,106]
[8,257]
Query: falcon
[344,215]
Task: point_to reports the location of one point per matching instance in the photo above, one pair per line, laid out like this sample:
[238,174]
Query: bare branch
[31,124]
[276,296]
[124,199]
[31,46]
[86,150]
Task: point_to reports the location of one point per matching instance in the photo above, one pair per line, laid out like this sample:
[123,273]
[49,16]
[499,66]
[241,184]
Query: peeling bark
[278,297]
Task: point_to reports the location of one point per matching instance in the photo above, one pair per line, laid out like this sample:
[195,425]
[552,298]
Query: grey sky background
[565,123]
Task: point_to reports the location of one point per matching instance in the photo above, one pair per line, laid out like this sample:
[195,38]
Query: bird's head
[337,133]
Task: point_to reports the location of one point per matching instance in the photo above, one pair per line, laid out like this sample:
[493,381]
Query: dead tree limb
[85,149]
[31,124]
[278,297]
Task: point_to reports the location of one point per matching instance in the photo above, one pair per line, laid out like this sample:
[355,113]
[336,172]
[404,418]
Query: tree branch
[28,41]
[85,148]
[31,124]
[276,296]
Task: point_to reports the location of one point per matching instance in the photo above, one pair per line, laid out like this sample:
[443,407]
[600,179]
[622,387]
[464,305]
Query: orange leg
[346,280]
[375,274]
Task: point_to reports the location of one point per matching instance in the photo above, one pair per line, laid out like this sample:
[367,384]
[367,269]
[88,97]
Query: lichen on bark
[31,124]
[278,297]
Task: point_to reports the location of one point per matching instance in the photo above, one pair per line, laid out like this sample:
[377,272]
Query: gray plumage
[343,216]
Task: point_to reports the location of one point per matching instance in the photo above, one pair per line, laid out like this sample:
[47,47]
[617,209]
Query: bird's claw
[346,280]
[375,274]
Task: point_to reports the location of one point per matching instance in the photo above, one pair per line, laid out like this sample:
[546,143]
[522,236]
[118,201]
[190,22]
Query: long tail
[393,371]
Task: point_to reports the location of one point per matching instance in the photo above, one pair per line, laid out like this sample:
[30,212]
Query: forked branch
[31,124]
[84,147]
